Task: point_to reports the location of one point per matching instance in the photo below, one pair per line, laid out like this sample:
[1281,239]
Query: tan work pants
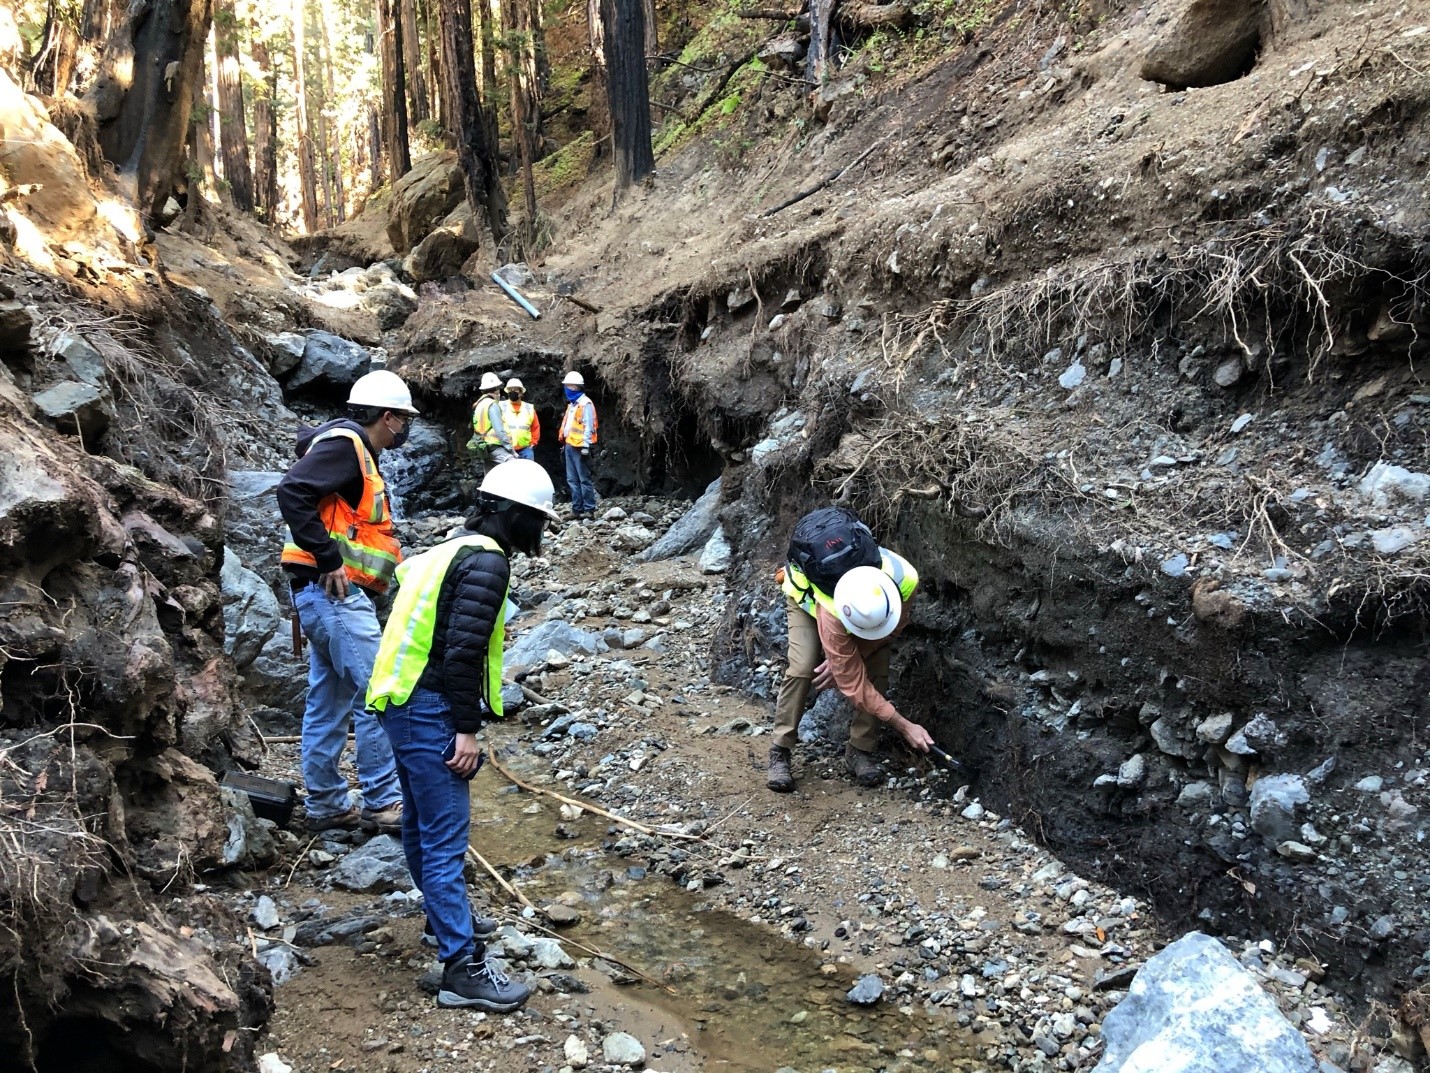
[805,654]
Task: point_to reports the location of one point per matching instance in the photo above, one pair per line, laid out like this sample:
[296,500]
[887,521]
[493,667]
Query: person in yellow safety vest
[578,435]
[437,680]
[341,549]
[489,436]
[852,628]
[520,420]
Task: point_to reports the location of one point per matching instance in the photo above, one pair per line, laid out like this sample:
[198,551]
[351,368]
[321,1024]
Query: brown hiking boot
[863,767]
[779,777]
[387,820]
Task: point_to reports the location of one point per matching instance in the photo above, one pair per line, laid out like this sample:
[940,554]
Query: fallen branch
[764,13]
[589,308]
[299,860]
[863,16]
[511,888]
[593,951]
[595,809]
[817,187]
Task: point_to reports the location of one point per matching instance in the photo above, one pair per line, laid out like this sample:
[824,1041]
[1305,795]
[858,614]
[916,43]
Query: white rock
[973,812]
[715,559]
[271,1063]
[577,1054]
[1393,540]
[548,954]
[623,1049]
[265,912]
[1385,484]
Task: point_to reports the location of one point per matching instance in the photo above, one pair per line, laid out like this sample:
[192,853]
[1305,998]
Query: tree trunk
[265,131]
[487,94]
[59,50]
[412,61]
[598,119]
[475,151]
[374,138]
[394,90]
[652,37]
[332,129]
[627,90]
[307,177]
[815,59]
[432,61]
[233,136]
[144,93]
[525,111]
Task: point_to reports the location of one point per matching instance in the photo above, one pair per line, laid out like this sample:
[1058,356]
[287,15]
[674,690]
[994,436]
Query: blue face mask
[573,393]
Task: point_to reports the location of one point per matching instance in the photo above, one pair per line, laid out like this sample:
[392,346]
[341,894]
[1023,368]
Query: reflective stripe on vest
[407,640]
[518,424]
[809,596]
[487,421]
[579,425]
[363,534]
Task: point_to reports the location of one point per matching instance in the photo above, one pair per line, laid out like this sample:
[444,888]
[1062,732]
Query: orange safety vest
[364,536]
[579,425]
[521,425]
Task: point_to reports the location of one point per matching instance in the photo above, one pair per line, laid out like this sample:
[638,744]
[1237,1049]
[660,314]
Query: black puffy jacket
[467,607]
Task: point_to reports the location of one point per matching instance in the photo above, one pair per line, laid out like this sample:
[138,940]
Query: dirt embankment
[1115,362]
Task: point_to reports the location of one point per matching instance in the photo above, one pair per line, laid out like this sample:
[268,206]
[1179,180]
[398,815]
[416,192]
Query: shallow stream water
[728,994]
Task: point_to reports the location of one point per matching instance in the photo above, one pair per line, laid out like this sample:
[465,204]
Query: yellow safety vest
[810,597]
[518,424]
[487,421]
[364,536]
[407,640]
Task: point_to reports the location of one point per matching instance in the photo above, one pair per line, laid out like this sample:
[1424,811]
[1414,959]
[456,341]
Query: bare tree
[627,90]
[476,153]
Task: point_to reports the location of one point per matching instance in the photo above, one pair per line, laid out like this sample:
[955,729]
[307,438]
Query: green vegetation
[565,167]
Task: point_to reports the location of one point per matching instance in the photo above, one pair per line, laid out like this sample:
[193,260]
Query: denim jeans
[343,636]
[436,816]
[578,479]
[529,453]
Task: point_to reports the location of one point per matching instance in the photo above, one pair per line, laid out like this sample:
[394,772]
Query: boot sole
[781,787]
[451,1000]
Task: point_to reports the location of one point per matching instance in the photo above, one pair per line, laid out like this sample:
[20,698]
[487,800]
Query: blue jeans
[343,636]
[436,816]
[578,479]
[528,453]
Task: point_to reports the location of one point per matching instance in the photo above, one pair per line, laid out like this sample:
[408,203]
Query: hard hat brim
[890,624]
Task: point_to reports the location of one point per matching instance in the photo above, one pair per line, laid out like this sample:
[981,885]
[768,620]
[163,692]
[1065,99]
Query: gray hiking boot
[475,983]
[863,767]
[779,777]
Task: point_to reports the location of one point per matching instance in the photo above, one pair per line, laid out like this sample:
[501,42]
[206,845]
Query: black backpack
[828,543]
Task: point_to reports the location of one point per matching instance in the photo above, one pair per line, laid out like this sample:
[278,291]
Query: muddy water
[732,995]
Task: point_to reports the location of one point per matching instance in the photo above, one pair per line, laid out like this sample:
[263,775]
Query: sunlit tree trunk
[394,90]
[476,153]
[307,178]
[417,109]
[233,135]
[265,131]
[627,90]
[331,124]
[374,138]
[652,37]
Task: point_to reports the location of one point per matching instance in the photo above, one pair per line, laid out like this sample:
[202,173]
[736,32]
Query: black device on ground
[451,751]
[948,763]
[272,799]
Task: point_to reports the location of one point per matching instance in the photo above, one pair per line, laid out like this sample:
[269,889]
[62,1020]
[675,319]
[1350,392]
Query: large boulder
[379,866]
[391,303]
[531,647]
[251,614]
[440,255]
[77,409]
[329,361]
[409,469]
[1211,42]
[691,531]
[1194,1009]
[422,198]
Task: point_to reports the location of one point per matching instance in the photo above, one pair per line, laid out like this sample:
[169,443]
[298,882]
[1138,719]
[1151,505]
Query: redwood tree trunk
[474,150]
[307,177]
[522,80]
[412,63]
[652,38]
[144,93]
[487,96]
[265,132]
[394,90]
[628,90]
[233,135]
[332,131]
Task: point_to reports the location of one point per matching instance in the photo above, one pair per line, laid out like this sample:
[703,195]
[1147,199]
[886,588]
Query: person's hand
[585,452]
[335,584]
[917,737]
[464,756]
[823,676]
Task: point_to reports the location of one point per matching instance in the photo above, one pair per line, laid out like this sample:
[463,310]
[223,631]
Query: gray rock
[1383,928]
[265,912]
[1072,376]
[632,538]
[1176,566]
[548,954]
[248,843]
[1133,772]
[1296,851]
[715,559]
[1274,800]
[281,963]
[77,409]
[1195,795]
[1216,729]
[1386,484]
[510,943]
[285,351]
[253,483]
[1371,784]
[623,1049]
[1193,1009]
[691,531]
[1228,372]
[1394,540]
[378,866]
[251,614]
[1165,733]
[440,255]
[392,304]
[410,468]
[866,991]
[85,363]
[512,697]
[1318,775]
[531,647]
[828,719]
[329,361]
[1262,734]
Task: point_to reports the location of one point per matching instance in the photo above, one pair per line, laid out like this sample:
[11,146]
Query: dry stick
[587,306]
[510,888]
[594,952]
[299,860]
[817,187]
[597,810]
[294,739]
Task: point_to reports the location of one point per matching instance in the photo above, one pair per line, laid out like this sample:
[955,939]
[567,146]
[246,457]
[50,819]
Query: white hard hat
[515,385]
[522,481]
[868,603]
[490,381]
[574,379]
[382,390]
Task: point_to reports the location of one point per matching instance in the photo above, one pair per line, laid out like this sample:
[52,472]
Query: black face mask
[400,438]
[514,396]
[525,528]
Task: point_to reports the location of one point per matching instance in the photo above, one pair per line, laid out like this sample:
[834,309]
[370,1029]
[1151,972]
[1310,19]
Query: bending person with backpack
[847,598]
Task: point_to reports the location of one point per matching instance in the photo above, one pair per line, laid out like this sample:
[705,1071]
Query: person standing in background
[522,424]
[578,435]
